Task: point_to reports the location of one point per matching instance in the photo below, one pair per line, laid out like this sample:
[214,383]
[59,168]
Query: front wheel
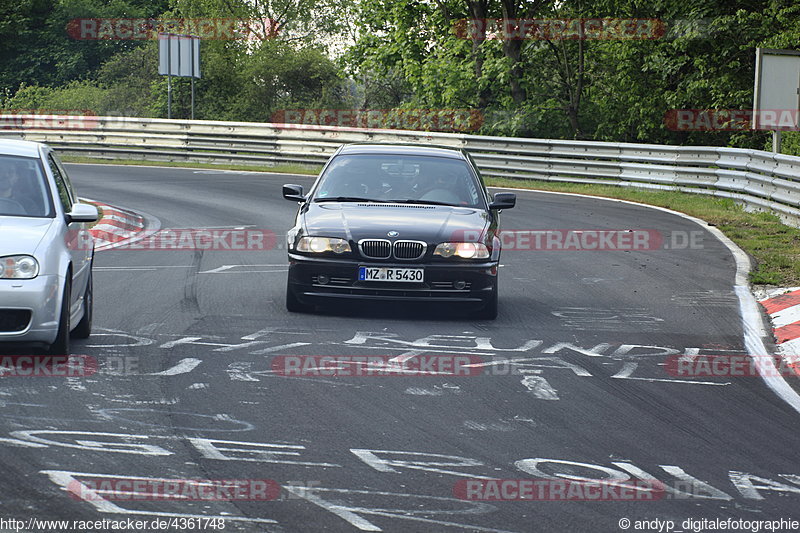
[84,327]
[60,346]
[293,305]
[489,311]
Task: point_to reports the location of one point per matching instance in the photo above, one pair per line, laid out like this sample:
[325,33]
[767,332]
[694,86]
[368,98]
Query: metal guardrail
[758,179]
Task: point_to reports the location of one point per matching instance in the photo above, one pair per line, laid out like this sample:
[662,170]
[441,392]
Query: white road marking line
[491,426]
[184,340]
[419,391]
[125,220]
[403,357]
[530,421]
[133,268]
[279,348]
[67,481]
[75,384]
[266,331]
[629,368]
[260,333]
[126,270]
[787,316]
[184,366]
[225,268]
[470,351]
[690,354]
[248,271]
[145,266]
[396,369]
[402,514]
[754,331]
[338,510]
[241,372]
[497,362]
[539,387]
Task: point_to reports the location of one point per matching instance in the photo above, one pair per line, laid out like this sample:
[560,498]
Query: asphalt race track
[186,341]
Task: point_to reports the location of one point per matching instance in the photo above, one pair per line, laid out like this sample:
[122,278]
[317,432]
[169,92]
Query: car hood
[21,235]
[429,223]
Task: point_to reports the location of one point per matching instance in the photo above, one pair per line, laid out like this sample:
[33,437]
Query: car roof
[402,149]
[19,148]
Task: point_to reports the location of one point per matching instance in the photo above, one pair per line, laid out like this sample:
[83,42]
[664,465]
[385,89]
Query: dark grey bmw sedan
[399,223]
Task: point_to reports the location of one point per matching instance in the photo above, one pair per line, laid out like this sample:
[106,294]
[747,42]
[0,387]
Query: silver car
[46,250]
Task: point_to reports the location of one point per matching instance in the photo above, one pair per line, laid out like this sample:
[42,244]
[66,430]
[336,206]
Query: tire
[84,327]
[489,311]
[293,305]
[60,346]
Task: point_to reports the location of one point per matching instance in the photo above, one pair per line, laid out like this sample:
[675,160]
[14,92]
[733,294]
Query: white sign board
[777,90]
[179,55]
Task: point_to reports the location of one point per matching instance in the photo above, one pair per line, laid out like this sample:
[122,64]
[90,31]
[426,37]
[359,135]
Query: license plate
[404,275]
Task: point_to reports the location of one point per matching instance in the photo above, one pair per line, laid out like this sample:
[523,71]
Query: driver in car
[13,200]
[445,186]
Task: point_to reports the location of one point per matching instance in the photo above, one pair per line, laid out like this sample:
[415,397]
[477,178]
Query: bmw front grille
[384,249]
[409,249]
[376,248]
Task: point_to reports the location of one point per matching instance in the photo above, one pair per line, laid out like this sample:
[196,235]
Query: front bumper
[29,309]
[439,285]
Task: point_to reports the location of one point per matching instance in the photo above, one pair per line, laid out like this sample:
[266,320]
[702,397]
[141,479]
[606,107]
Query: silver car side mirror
[82,213]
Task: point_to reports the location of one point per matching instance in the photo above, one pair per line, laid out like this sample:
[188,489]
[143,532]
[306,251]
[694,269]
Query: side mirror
[293,192]
[503,200]
[82,213]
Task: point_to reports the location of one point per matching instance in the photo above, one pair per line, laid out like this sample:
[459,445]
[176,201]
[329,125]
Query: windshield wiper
[348,199]
[425,202]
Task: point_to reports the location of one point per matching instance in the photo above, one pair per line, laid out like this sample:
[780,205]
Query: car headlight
[465,250]
[18,267]
[320,245]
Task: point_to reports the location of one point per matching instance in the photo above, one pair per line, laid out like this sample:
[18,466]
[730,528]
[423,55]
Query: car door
[74,236]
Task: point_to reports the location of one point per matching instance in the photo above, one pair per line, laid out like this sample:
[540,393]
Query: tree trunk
[478,9]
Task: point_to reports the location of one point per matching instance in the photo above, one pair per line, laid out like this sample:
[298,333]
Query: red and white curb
[117,226]
[783,308]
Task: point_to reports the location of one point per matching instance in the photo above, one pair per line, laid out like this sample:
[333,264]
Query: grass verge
[774,246]
[279,169]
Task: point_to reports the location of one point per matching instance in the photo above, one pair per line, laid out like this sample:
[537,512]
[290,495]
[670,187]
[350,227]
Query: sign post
[777,92]
[178,55]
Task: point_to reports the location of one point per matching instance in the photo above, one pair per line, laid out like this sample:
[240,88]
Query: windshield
[23,189]
[393,178]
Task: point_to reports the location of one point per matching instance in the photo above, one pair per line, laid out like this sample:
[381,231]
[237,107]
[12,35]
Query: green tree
[35,47]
